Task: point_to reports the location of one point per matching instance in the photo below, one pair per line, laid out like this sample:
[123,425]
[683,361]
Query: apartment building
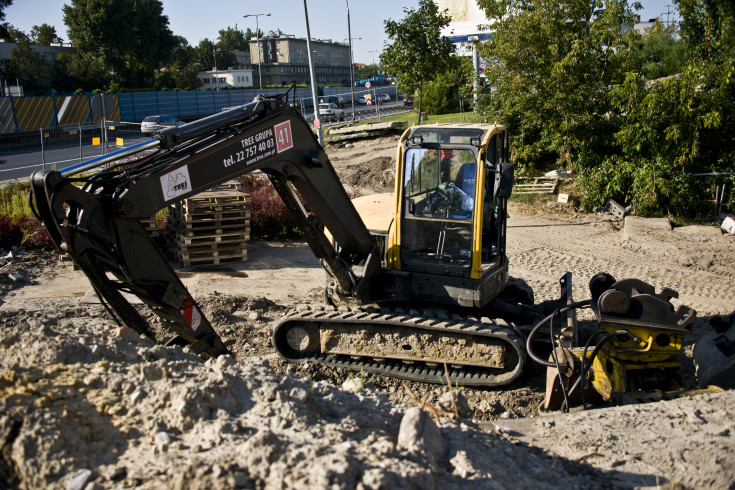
[284,59]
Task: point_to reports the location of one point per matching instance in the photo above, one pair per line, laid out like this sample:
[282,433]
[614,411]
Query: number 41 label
[283,136]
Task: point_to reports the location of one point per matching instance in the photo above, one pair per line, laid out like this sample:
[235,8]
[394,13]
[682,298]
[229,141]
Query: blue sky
[197,19]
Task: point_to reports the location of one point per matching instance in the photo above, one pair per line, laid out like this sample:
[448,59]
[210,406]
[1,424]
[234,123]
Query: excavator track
[403,344]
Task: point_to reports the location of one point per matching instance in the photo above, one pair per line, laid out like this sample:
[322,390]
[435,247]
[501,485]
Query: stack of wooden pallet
[210,228]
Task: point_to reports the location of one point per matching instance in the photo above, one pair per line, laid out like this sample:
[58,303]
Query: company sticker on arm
[175,183]
[262,145]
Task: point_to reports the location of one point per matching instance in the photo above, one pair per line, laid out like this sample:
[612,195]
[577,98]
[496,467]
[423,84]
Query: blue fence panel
[167,103]
[188,104]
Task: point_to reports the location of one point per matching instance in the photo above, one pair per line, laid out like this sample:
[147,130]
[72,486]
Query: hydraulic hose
[557,312]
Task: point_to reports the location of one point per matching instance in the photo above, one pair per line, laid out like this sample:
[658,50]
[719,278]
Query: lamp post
[317,123]
[257,43]
[373,51]
[352,74]
[216,76]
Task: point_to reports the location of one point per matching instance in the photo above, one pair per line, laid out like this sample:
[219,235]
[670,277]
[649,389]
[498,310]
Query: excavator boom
[95,217]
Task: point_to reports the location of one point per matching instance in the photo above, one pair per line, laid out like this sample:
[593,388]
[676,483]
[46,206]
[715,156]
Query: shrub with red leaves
[24,231]
[269,217]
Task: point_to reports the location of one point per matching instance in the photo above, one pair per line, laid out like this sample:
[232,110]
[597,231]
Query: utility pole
[257,44]
[317,122]
[216,76]
[352,75]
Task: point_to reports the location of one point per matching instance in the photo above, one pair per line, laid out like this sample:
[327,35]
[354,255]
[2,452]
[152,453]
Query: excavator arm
[92,210]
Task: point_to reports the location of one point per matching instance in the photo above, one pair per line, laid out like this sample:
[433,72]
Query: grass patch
[411,117]
[14,200]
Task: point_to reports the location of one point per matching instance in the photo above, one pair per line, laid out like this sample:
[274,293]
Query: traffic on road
[21,161]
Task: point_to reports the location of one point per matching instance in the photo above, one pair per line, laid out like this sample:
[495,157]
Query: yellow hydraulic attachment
[634,355]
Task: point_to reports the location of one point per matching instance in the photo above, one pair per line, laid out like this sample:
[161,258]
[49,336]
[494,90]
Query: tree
[4,25]
[27,65]
[232,39]
[13,35]
[553,63]
[44,35]
[368,71]
[131,37]
[418,53]
[182,70]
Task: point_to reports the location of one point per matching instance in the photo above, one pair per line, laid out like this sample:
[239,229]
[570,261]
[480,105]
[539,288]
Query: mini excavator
[417,280]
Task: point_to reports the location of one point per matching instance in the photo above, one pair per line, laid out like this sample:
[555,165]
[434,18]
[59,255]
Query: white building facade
[219,79]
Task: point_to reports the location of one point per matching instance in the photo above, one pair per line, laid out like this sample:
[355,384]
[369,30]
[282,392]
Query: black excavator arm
[93,215]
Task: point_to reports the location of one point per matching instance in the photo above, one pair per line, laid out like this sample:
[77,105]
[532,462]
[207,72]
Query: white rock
[79,479]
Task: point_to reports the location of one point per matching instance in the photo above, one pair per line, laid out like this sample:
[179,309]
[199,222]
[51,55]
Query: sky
[197,19]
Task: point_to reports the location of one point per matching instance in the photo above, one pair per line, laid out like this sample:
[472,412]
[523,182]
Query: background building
[232,78]
[284,60]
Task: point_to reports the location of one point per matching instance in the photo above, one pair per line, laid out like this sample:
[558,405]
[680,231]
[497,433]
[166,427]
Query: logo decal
[175,183]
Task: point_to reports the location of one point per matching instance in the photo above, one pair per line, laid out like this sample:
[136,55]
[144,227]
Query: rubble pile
[85,403]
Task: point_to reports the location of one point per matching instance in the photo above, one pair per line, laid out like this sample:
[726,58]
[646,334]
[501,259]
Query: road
[26,160]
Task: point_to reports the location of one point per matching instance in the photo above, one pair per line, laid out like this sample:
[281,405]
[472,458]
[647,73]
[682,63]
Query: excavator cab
[449,233]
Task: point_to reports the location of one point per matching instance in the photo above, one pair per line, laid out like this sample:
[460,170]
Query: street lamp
[373,51]
[257,43]
[352,70]
[216,76]
[317,123]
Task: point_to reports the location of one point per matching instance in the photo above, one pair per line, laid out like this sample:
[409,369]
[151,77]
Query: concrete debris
[16,277]
[79,479]
[728,224]
[617,210]
[559,174]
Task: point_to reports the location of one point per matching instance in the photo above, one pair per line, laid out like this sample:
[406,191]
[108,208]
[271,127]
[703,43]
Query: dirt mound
[119,410]
[376,175]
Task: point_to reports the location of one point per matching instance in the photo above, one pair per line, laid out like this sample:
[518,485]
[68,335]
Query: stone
[419,434]
[79,479]
[16,277]
[127,333]
[354,385]
[463,407]
[299,394]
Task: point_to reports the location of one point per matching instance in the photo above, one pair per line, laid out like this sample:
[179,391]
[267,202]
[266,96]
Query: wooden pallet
[210,228]
[540,185]
[182,241]
[151,226]
[230,185]
[216,256]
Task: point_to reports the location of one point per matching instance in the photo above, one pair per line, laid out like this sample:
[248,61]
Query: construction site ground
[86,404]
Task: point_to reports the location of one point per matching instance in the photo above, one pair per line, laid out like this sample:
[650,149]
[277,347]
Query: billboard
[466,17]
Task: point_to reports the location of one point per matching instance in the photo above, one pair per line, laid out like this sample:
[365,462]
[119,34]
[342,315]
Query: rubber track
[417,370]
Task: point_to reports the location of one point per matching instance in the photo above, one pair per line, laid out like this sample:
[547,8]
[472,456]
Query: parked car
[333,99]
[330,112]
[384,97]
[408,100]
[152,124]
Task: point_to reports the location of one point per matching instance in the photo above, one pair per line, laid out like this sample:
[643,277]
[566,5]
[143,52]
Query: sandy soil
[85,404]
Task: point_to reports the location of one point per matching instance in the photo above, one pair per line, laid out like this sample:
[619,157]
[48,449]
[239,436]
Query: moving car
[384,97]
[330,112]
[408,100]
[152,124]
